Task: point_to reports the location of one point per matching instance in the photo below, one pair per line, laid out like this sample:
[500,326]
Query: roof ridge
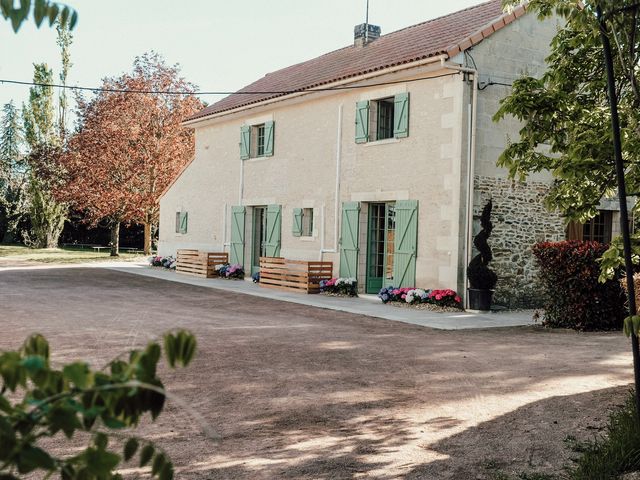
[472,7]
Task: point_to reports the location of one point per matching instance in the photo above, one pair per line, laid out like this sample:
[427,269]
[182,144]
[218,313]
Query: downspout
[336,208]
[471,161]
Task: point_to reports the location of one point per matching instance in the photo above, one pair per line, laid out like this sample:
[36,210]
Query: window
[598,229]
[302,222]
[181,222]
[307,222]
[259,132]
[256,140]
[382,118]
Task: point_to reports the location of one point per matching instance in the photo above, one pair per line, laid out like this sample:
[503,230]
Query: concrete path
[365,305]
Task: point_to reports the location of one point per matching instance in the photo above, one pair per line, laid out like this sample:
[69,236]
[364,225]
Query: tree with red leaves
[129,146]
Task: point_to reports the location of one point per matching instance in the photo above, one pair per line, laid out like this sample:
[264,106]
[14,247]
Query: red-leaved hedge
[573,296]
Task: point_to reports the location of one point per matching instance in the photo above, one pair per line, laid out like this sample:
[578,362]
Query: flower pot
[480,299]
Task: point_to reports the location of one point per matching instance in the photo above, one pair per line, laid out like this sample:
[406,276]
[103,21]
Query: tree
[47,215]
[130,146]
[12,175]
[59,403]
[42,9]
[565,114]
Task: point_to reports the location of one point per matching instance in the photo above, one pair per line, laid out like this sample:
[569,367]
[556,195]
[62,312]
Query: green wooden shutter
[245,142]
[297,222]
[349,239]
[268,138]
[237,235]
[178,218]
[183,222]
[274,229]
[406,243]
[362,121]
[401,115]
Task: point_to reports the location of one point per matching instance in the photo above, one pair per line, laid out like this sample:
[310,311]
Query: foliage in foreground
[60,403]
[615,453]
[574,298]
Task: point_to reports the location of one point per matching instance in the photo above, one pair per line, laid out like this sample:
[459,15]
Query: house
[378,157]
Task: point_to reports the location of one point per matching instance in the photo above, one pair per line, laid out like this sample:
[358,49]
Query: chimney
[365,33]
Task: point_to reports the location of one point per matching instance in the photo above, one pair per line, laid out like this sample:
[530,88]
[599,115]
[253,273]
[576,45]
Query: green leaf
[63,418]
[145,454]
[39,11]
[64,16]
[158,463]
[130,448]
[101,462]
[78,373]
[33,363]
[36,345]
[166,473]
[8,438]
[101,441]
[31,458]
[170,349]
[74,20]
[5,7]
[53,13]
[5,406]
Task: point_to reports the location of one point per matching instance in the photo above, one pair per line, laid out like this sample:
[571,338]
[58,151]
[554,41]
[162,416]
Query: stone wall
[520,220]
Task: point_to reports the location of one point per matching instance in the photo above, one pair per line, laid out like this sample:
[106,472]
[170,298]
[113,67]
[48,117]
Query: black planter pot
[480,299]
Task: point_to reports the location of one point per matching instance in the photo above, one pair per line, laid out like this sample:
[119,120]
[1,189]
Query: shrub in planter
[574,298]
[340,286]
[226,270]
[482,280]
[166,262]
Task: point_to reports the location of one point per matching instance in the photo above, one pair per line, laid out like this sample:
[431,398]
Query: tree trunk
[147,238]
[115,238]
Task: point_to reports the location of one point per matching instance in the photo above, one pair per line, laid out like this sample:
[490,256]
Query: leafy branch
[75,399]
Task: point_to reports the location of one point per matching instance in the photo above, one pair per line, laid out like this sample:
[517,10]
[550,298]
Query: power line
[188,92]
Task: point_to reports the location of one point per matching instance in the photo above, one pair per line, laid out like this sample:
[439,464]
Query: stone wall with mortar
[520,220]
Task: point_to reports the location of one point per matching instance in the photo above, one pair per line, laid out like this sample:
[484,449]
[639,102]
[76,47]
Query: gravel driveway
[303,392]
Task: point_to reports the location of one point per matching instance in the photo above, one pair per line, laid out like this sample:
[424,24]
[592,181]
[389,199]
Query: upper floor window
[382,118]
[303,222]
[256,140]
[182,219]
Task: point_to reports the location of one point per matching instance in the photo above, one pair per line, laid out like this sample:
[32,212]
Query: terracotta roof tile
[449,34]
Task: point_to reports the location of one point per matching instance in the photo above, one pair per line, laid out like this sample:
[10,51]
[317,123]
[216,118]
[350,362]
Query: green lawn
[19,253]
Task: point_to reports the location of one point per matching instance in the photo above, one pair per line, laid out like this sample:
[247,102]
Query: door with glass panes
[380,246]
[258,246]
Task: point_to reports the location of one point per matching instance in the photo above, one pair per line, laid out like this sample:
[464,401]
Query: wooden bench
[296,275]
[199,264]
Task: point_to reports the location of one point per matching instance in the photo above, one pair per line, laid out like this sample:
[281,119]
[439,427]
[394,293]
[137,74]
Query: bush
[340,286]
[573,296]
[479,274]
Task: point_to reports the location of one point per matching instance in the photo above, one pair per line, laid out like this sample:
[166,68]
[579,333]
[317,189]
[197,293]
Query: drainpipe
[336,209]
[471,161]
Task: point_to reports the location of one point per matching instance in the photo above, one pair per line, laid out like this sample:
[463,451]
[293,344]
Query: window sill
[307,238]
[386,141]
[257,159]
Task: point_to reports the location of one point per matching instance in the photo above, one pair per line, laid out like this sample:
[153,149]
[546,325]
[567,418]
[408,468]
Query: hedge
[573,296]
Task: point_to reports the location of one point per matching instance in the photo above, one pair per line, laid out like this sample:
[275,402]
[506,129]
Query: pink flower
[403,296]
[458,299]
[438,297]
[396,291]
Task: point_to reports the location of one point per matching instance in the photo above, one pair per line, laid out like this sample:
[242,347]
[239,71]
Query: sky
[220,45]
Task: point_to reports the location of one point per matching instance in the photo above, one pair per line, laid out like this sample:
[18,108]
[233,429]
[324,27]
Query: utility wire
[188,92]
